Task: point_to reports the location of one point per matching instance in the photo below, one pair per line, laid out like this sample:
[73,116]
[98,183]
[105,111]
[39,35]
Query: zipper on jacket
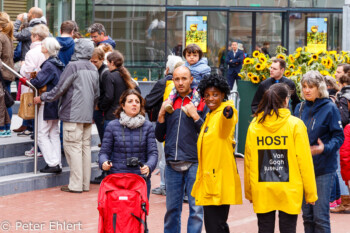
[178,129]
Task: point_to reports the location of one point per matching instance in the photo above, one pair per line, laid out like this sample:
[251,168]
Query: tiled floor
[51,210]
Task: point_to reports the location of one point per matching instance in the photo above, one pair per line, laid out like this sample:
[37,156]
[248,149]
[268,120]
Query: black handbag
[9,101]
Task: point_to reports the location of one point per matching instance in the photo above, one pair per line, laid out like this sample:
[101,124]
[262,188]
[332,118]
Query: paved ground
[51,210]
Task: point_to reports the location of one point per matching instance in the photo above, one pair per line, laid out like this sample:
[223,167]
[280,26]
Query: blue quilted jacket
[114,148]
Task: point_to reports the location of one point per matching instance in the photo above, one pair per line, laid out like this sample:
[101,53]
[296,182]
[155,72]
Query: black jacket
[342,103]
[265,85]
[180,132]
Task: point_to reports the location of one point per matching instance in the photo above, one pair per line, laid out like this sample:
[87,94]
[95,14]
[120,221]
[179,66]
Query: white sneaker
[30,153]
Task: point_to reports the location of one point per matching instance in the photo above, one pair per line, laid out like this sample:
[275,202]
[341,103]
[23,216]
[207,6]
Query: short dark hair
[214,80]
[97,27]
[266,43]
[67,27]
[281,62]
[345,79]
[346,67]
[193,48]
[122,101]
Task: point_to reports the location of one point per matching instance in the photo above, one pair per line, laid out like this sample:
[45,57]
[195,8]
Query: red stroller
[123,204]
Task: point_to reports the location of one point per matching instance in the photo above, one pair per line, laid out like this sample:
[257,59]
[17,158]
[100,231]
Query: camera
[132,162]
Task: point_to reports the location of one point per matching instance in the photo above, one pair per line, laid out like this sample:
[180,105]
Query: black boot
[99,179]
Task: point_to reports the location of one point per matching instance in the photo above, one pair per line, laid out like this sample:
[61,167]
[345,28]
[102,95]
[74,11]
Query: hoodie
[67,49]
[108,41]
[322,119]
[198,70]
[24,35]
[278,166]
[78,86]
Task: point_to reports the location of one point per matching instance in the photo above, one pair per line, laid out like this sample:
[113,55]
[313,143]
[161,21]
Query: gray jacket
[78,86]
[25,33]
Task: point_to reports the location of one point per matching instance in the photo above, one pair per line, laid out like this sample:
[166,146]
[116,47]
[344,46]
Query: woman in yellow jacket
[278,163]
[217,184]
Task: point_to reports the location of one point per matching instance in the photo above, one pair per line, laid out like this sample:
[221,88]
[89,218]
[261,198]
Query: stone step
[25,182]
[23,164]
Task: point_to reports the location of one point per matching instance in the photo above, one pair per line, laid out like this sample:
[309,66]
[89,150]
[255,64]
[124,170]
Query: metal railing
[35,116]
[234,96]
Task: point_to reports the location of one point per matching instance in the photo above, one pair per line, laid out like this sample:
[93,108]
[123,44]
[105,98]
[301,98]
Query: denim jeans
[335,194]
[98,118]
[175,183]
[316,218]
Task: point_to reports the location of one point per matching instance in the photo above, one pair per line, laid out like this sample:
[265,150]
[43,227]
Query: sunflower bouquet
[255,69]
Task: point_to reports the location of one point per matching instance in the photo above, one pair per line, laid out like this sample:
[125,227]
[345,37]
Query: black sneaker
[99,179]
[48,169]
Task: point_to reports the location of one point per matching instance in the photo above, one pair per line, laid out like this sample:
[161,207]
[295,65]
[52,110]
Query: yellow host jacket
[278,165]
[217,181]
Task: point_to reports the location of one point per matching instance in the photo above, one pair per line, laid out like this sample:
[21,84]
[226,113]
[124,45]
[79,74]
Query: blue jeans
[335,194]
[316,218]
[176,182]
[98,118]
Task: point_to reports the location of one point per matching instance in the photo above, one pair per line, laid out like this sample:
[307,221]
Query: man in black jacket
[180,134]
[277,69]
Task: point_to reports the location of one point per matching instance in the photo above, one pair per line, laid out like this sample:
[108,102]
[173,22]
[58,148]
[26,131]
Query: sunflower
[248,61]
[293,74]
[305,49]
[263,77]
[281,56]
[287,73]
[291,67]
[310,62]
[347,59]
[299,49]
[291,58]
[344,52]
[297,55]
[255,79]
[314,57]
[324,61]
[325,73]
[332,52]
[241,75]
[262,58]
[256,53]
[329,63]
[259,66]
[250,75]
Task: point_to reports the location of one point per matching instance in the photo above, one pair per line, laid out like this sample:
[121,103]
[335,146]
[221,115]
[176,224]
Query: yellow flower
[263,77]
[240,75]
[324,61]
[314,57]
[305,49]
[255,79]
[297,55]
[291,58]
[347,59]
[291,67]
[256,53]
[250,75]
[135,78]
[287,73]
[262,58]
[281,56]
[247,61]
[259,66]
[299,49]
[325,73]
[329,63]
[340,58]
[144,79]
[311,61]
[333,52]
[293,74]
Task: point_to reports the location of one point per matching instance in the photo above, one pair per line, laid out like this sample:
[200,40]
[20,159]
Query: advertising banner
[196,31]
[316,37]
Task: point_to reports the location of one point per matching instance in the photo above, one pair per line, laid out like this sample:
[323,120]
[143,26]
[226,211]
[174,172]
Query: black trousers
[287,222]
[215,218]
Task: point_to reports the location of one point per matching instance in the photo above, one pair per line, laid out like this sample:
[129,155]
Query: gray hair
[314,78]
[41,30]
[97,27]
[52,46]
[172,61]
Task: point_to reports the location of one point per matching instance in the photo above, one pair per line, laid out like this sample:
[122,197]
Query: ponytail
[118,60]
[273,99]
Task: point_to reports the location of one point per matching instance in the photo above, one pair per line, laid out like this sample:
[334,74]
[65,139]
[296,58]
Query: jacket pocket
[70,133]
[212,183]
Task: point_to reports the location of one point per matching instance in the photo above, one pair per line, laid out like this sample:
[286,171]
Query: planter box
[246,92]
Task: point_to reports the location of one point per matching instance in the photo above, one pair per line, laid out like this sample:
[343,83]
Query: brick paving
[52,210]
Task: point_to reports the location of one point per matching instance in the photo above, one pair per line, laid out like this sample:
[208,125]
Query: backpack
[154,100]
[123,204]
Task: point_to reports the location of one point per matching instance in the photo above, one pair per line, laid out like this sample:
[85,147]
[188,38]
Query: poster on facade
[196,31]
[316,38]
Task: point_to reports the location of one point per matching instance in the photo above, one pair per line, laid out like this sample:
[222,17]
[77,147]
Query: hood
[36,21]
[65,42]
[315,106]
[83,49]
[345,92]
[274,123]
[108,41]
[56,61]
[202,61]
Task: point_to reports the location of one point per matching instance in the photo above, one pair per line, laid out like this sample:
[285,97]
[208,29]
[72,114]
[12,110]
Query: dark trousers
[215,218]
[287,222]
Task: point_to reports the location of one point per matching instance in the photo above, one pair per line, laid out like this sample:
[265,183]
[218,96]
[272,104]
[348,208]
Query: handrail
[234,96]
[35,116]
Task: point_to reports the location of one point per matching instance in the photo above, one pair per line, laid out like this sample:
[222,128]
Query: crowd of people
[84,80]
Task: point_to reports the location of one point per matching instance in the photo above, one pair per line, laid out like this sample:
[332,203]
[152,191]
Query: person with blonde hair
[6,56]
[48,130]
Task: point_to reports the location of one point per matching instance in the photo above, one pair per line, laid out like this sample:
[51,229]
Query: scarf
[131,122]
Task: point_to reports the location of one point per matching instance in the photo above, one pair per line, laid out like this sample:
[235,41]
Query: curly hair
[214,80]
